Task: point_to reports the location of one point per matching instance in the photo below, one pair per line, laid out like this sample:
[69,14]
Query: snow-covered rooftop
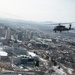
[3,53]
[32,54]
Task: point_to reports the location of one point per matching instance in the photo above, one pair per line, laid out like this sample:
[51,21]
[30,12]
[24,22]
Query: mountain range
[26,24]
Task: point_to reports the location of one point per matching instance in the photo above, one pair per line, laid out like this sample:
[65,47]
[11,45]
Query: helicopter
[62,28]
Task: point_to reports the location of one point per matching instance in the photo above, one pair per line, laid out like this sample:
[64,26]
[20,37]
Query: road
[22,73]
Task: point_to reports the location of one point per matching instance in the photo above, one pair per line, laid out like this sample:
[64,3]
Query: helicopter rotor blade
[61,23]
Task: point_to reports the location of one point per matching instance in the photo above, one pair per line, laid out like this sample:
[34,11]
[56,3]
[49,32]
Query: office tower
[8,33]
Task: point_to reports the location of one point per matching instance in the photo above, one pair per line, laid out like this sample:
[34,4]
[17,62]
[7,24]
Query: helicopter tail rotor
[70,26]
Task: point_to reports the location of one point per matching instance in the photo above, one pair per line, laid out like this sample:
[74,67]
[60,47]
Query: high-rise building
[2,32]
[8,33]
[31,35]
[15,36]
[20,35]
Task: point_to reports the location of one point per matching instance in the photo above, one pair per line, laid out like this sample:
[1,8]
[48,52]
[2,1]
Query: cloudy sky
[39,10]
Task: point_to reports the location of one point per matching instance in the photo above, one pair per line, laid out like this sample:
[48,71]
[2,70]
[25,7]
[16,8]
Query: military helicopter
[62,28]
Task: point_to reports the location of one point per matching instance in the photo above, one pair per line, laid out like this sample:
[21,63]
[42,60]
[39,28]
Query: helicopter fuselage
[60,28]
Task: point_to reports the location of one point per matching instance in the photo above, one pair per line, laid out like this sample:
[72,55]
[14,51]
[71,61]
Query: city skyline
[38,10]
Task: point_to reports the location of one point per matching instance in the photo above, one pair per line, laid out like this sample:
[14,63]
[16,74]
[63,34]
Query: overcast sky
[39,10]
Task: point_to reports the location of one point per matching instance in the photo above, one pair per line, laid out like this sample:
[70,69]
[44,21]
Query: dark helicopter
[62,28]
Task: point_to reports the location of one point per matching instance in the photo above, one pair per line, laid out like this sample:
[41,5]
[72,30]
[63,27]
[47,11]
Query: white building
[3,55]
